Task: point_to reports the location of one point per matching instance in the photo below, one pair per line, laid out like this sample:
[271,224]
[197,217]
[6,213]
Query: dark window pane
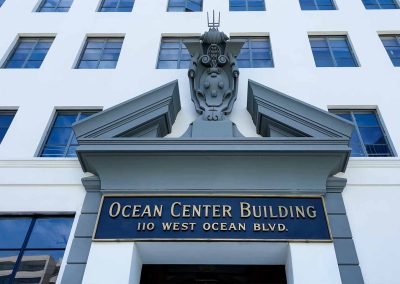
[332,51]
[50,233]
[368,139]
[59,136]
[13,231]
[5,121]
[184,5]
[101,53]
[29,53]
[366,119]
[380,4]
[55,6]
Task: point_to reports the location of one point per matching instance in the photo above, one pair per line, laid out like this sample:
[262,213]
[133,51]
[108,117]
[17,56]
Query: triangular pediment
[278,115]
[149,115]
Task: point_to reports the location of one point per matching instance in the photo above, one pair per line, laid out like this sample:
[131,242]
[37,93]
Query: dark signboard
[225,218]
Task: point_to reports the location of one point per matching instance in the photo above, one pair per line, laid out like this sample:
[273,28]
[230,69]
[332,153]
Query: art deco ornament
[213,73]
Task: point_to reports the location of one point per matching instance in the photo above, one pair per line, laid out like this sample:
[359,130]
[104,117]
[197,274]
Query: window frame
[84,47]
[16,44]
[51,126]
[397,39]
[24,246]
[115,11]
[181,40]
[326,38]
[395,2]
[247,7]
[2,2]
[249,38]
[43,2]
[382,127]
[317,6]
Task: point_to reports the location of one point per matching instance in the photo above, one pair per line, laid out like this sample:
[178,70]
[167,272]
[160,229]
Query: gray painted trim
[346,254]
[264,102]
[159,106]
[80,248]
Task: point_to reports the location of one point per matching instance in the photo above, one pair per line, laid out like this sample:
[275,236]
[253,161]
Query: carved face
[213,88]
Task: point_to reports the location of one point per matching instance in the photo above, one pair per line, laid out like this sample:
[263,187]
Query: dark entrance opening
[213,274]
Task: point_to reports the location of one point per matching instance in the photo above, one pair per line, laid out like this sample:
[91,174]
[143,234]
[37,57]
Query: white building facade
[42,192]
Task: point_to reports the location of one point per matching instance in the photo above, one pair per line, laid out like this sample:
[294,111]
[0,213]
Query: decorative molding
[374,162]
[157,108]
[270,108]
[41,163]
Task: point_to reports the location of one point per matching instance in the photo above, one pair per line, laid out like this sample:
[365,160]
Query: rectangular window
[2,2]
[380,4]
[332,51]
[116,6]
[32,247]
[6,117]
[317,5]
[55,6]
[29,52]
[246,5]
[392,46]
[255,53]
[173,54]
[61,140]
[369,138]
[100,53]
[185,5]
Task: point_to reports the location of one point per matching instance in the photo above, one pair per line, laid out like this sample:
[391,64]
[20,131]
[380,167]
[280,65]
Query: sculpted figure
[213,73]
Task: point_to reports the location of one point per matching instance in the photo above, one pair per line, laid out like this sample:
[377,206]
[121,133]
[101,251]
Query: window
[6,117]
[29,53]
[332,51]
[246,5]
[380,4]
[2,2]
[32,248]
[185,5]
[392,46]
[55,6]
[61,141]
[255,53]
[116,6]
[100,53]
[173,54]
[368,138]
[317,5]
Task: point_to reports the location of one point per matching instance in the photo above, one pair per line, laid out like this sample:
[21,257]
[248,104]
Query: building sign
[225,218]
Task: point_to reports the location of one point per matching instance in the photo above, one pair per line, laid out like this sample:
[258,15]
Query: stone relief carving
[213,73]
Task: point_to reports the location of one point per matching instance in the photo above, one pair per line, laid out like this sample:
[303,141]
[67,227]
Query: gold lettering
[271,213]
[214,226]
[256,227]
[206,208]
[281,227]
[223,227]
[118,209]
[173,209]
[197,211]
[124,214]
[311,212]
[216,213]
[158,210]
[283,212]
[186,211]
[300,212]
[146,212]
[244,207]
[135,211]
[242,226]
[206,226]
[226,209]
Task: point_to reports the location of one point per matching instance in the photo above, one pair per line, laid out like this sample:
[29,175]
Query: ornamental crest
[213,73]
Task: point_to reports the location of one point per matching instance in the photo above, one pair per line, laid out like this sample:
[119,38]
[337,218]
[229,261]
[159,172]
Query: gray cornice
[268,106]
[155,109]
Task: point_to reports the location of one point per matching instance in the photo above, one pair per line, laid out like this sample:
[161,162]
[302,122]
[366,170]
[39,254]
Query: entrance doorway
[213,274]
